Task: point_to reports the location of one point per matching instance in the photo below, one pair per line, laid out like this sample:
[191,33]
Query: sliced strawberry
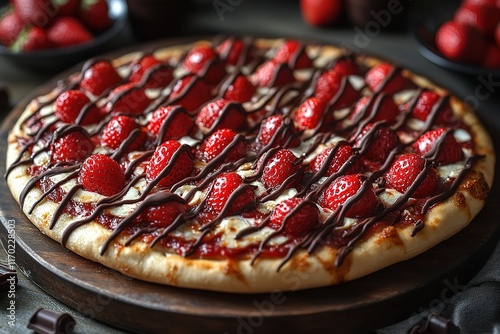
[328,86]
[450,150]
[71,148]
[279,167]
[270,126]
[345,66]
[460,42]
[425,103]
[31,39]
[67,31]
[404,171]
[271,74]
[203,61]
[173,121]
[128,99]
[95,14]
[492,56]
[119,129]
[67,7]
[376,144]
[11,26]
[214,145]
[163,158]
[378,75]
[162,215]
[228,189]
[321,12]
[101,174]
[483,18]
[240,90]
[190,92]
[71,103]
[311,114]
[376,109]
[39,13]
[219,114]
[292,53]
[343,189]
[159,74]
[337,159]
[231,50]
[100,77]
[298,216]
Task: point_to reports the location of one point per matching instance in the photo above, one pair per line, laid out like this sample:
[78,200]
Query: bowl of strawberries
[464,39]
[53,34]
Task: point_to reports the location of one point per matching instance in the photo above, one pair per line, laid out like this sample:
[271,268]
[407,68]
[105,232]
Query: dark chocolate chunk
[48,322]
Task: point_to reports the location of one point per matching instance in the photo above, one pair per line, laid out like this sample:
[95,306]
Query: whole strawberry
[403,174]
[381,108]
[329,86]
[272,74]
[376,143]
[71,148]
[158,74]
[484,18]
[219,114]
[170,162]
[450,150]
[99,78]
[352,190]
[292,53]
[101,174]
[240,90]
[230,194]
[312,114]
[119,129]
[203,61]
[128,99]
[378,79]
[460,42]
[219,141]
[281,167]
[11,26]
[39,13]
[190,92]
[335,157]
[31,39]
[73,103]
[297,215]
[67,31]
[320,12]
[95,14]
[231,50]
[425,104]
[67,7]
[171,122]
[279,131]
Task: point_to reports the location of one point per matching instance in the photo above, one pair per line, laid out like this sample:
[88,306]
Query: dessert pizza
[248,165]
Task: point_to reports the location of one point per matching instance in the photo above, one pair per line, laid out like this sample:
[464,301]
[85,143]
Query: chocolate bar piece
[48,322]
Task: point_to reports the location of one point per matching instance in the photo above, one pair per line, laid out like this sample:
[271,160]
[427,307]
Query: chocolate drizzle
[282,100]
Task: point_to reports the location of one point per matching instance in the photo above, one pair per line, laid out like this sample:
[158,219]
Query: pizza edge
[381,249]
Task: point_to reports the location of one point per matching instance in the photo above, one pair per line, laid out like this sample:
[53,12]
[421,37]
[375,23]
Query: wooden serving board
[368,303]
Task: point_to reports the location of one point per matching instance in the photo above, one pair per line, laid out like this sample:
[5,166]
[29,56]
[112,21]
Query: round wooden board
[359,306]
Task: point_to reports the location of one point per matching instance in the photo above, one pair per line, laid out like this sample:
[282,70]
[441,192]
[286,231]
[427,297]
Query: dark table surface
[271,18]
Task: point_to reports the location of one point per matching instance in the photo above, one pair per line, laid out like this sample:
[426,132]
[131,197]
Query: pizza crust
[381,249]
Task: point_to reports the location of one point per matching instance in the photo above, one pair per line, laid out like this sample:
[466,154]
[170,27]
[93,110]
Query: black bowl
[60,58]
[425,32]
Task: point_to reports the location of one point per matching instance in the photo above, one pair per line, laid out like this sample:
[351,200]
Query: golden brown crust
[386,246]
